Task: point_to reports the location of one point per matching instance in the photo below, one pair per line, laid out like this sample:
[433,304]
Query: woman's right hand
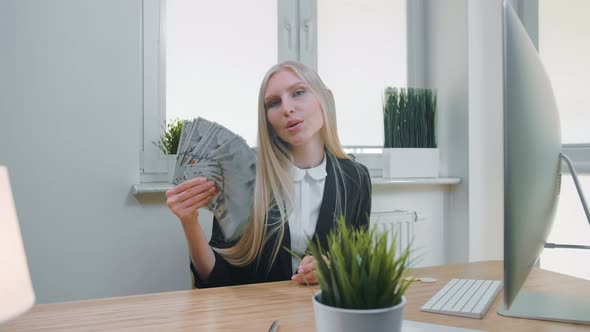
[185,199]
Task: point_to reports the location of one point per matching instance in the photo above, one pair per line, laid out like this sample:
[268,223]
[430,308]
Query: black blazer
[357,212]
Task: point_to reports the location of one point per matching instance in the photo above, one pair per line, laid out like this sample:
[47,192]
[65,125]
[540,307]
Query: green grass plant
[409,118]
[363,271]
[169,141]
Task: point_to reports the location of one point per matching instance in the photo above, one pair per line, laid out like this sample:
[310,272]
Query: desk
[254,307]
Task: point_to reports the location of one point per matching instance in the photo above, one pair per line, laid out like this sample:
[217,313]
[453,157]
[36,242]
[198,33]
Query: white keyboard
[464,297]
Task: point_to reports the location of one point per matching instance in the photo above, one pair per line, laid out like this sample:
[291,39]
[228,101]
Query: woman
[304,180]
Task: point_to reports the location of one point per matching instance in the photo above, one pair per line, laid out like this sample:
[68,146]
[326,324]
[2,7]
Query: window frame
[153,116]
[579,154]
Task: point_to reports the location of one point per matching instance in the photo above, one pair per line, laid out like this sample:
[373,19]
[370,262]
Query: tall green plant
[409,118]
[362,271]
[169,141]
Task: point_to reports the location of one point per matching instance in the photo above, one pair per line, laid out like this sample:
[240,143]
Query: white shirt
[308,186]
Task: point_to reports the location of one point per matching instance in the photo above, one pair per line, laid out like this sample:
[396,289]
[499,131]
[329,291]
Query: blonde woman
[304,180]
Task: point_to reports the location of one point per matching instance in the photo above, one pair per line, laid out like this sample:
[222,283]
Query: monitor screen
[532,178]
[532,143]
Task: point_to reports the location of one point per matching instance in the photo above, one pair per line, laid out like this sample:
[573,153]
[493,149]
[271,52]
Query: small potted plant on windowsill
[410,122]
[363,280]
[168,143]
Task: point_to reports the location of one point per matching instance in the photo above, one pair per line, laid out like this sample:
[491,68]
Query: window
[208,59]
[214,66]
[357,68]
[564,32]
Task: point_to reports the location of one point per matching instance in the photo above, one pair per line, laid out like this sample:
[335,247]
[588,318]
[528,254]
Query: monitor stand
[551,307]
[582,199]
[572,169]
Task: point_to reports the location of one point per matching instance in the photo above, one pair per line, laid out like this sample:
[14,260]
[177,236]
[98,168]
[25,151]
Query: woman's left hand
[306,273]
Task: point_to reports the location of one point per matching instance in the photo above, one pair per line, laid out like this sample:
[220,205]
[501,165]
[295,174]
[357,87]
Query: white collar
[316,173]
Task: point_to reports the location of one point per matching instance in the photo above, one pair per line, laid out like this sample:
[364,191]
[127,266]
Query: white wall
[486,205]
[70,115]
[463,59]
[429,202]
[444,53]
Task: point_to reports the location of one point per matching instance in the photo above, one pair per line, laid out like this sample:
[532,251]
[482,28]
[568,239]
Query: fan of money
[207,149]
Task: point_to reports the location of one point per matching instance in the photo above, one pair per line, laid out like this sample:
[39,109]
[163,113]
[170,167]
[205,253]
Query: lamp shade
[16,290]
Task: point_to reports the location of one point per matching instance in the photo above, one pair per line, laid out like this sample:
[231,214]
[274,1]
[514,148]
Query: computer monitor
[532,178]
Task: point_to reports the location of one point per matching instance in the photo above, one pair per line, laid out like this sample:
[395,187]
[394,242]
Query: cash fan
[207,149]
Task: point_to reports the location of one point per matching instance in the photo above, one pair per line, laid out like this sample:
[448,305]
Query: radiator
[397,223]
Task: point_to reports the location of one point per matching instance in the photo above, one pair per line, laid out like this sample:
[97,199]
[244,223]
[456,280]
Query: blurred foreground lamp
[16,291]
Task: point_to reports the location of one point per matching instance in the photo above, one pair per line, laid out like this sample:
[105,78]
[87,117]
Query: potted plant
[168,143]
[409,119]
[362,279]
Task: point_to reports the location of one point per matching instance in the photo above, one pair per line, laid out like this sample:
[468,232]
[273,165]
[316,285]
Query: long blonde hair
[273,186]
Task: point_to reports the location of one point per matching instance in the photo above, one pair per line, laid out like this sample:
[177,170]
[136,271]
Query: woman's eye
[272,103]
[299,92]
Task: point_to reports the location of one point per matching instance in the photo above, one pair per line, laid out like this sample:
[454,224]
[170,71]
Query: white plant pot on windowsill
[332,319]
[171,162]
[410,162]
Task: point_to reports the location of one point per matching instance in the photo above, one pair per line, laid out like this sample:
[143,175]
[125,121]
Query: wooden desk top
[254,307]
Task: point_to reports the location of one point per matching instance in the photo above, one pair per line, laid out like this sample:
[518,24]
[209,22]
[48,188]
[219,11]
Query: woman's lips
[295,126]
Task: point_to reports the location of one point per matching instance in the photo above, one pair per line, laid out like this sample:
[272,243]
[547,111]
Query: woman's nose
[288,107]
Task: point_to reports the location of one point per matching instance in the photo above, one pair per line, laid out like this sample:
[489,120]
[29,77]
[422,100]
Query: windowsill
[150,188]
[161,187]
[438,181]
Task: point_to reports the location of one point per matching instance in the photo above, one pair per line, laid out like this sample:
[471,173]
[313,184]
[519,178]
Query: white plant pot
[171,161]
[410,162]
[332,319]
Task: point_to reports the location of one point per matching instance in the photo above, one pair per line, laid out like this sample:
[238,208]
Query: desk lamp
[16,290]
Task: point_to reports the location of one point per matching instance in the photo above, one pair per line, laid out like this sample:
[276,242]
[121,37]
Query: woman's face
[293,110]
